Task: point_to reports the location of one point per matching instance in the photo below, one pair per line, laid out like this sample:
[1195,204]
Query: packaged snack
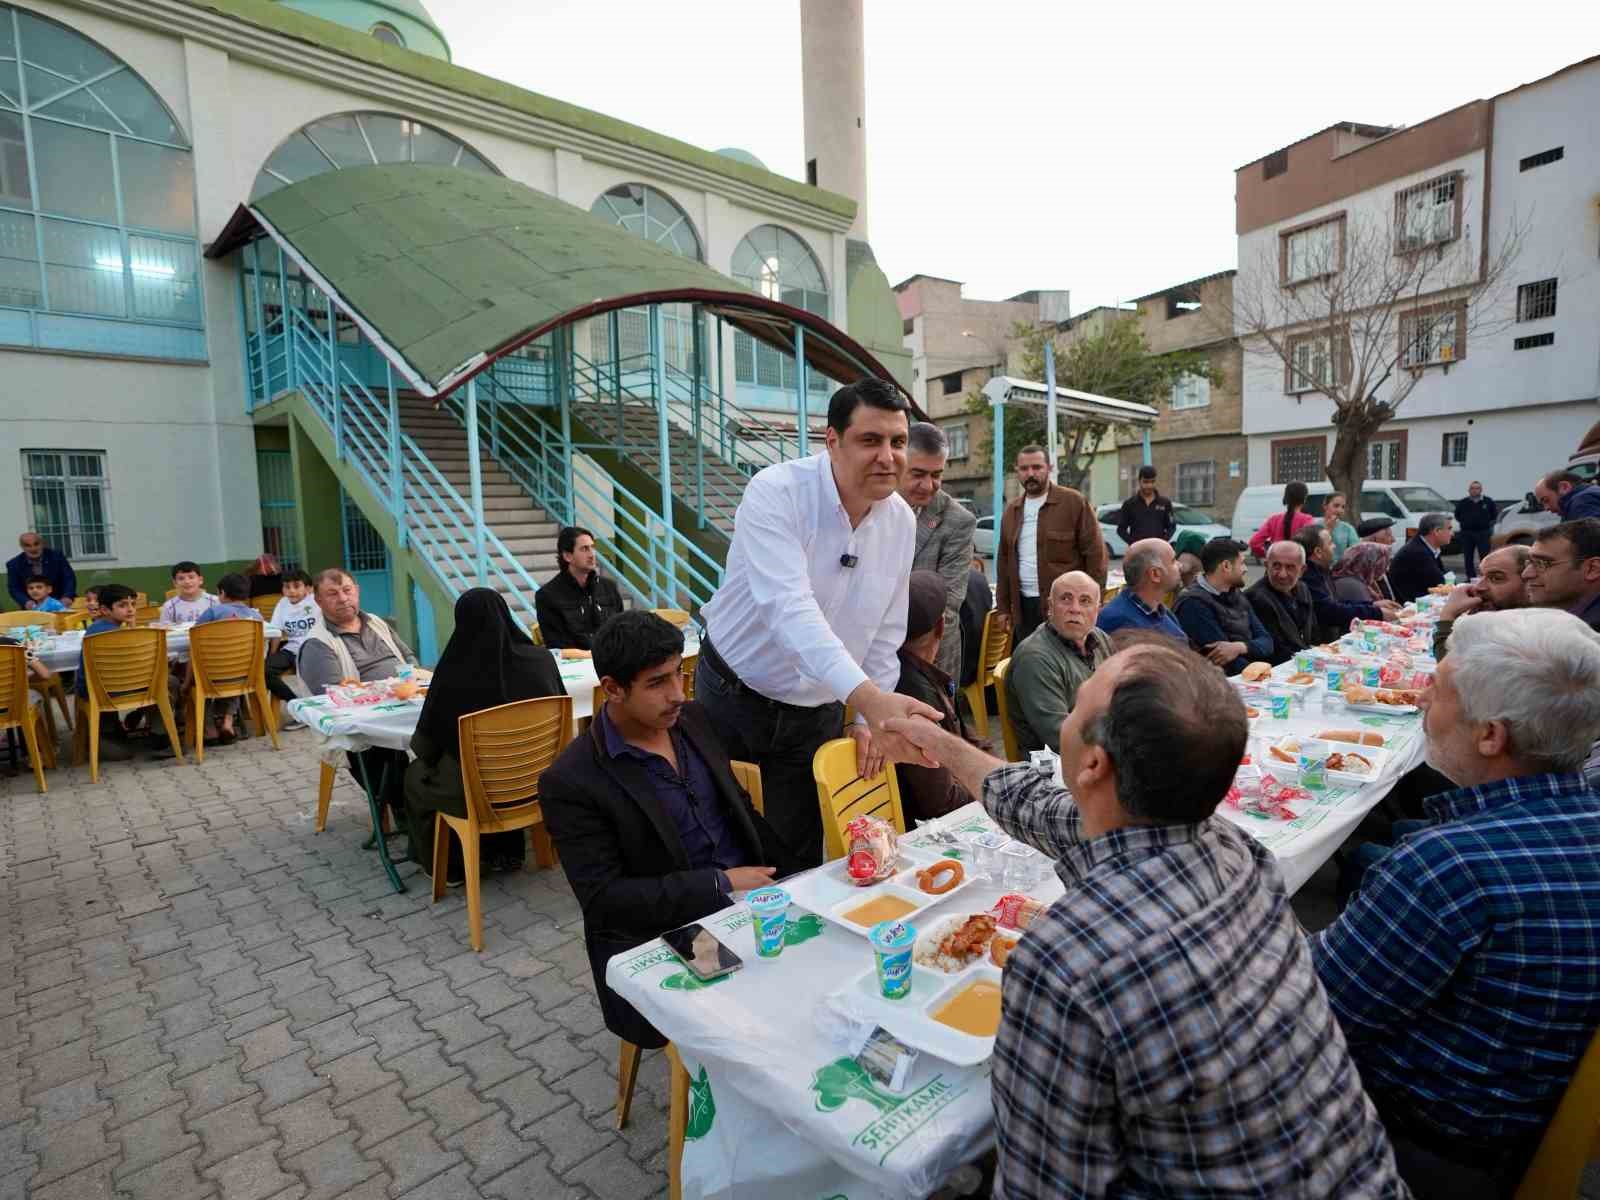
[1016,911]
[873,850]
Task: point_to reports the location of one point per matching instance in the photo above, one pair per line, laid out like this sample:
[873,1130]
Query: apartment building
[1197,445]
[1502,384]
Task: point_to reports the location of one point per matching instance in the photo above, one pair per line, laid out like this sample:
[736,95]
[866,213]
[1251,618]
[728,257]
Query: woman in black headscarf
[487,662]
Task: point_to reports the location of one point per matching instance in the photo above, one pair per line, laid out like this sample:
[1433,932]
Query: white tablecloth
[754,1043]
[61,652]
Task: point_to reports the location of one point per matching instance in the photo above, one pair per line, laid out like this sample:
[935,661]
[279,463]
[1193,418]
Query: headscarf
[487,662]
[1368,562]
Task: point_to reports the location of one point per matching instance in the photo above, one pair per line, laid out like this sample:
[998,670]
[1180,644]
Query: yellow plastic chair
[124,670]
[14,620]
[78,603]
[843,795]
[504,751]
[145,614]
[673,616]
[229,659]
[748,776]
[1008,731]
[265,605]
[1572,1139]
[690,661]
[50,691]
[533,632]
[994,645]
[17,711]
[77,618]
[324,795]
[171,592]
[142,599]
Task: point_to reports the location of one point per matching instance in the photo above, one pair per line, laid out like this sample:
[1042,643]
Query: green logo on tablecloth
[899,1117]
[797,930]
[683,981]
[702,1108]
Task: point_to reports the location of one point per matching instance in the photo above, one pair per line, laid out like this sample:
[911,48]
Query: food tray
[829,892]
[1290,772]
[910,1017]
[1385,710]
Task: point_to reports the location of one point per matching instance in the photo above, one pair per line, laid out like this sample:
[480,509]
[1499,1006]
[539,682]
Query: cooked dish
[975,1009]
[880,908]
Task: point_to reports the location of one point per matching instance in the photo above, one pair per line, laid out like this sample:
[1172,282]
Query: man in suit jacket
[1044,533]
[652,829]
[944,530]
[1415,567]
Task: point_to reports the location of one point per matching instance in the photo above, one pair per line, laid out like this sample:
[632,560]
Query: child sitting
[297,614]
[91,603]
[39,597]
[192,598]
[233,604]
[117,605]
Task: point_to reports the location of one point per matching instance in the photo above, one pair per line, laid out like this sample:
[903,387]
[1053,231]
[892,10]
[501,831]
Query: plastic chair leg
[627,1075]
[324,796]
[47,748]
[30,739]
[442,833]
[470,860]
[261,703]
[544,848]
[164,707]
[94,742]
[980,706]
[197,722]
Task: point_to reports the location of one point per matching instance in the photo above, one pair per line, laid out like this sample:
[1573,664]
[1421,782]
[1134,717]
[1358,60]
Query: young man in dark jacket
[652,829]
[1146,513]
[1476,514]
[1216,616]
[577,600]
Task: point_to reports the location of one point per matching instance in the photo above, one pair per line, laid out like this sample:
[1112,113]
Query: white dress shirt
[792,621]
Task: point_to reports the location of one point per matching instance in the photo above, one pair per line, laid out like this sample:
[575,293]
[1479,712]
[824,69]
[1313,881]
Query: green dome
[398,22]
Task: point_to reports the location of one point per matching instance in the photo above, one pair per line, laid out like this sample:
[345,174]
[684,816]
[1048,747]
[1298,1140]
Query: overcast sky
[1013,145]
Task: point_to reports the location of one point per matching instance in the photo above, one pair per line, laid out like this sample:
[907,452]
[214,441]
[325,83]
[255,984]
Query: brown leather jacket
[1069,540]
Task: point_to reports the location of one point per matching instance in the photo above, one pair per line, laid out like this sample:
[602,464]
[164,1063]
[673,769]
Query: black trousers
[1474,545]
[779,738]
[1032,614]
[279,664]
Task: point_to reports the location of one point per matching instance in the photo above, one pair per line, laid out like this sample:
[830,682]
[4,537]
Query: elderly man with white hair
[1284,603]
[1466,970]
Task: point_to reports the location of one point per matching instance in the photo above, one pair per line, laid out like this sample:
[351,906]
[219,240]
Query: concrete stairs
[528,532]
[724,483]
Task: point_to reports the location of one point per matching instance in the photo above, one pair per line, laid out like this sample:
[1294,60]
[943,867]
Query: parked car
[1191,520]
[983,537]
[1402,499]
[1518,524]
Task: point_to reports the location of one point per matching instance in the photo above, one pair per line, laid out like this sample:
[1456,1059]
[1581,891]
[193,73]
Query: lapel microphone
[848,560]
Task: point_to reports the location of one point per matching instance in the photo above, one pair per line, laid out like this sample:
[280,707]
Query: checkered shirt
[1466,970]
[1162,1032]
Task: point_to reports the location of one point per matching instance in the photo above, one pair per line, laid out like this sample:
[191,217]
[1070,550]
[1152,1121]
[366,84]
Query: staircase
[526,532]
[631,428]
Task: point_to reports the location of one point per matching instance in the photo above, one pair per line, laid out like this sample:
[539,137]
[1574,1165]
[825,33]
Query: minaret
[834,73]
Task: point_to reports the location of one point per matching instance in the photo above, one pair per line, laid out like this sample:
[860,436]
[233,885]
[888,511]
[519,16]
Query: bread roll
[1256,672]
[1359,737]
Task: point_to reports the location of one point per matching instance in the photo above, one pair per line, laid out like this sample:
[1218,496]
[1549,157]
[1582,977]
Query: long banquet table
[756,1046]
[61,651]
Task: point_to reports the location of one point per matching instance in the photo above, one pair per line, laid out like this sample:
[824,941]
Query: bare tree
[1358,309]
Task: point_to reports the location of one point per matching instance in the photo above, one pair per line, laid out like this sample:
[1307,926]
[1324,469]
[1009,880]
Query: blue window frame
[97,204]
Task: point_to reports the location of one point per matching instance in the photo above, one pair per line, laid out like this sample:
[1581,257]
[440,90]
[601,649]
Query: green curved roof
[406,16]
[447,270]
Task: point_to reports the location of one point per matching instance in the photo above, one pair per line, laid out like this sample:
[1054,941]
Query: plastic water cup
[1305,661]
[1023,866]
[1312,763]
[1280,699]
[1335,678]
[986,846]
[892,946]
[769,911]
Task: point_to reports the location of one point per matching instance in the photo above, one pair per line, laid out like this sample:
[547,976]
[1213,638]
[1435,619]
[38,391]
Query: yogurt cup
[1280,701]
[1312,763]
[1305,661]
[1335,679]
[769,912]
[1371,677]
[892,945]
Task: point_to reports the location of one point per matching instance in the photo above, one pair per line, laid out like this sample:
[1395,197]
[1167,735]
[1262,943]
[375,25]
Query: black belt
[740,687]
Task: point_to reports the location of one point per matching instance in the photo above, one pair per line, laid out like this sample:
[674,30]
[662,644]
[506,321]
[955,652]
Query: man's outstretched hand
[877,707]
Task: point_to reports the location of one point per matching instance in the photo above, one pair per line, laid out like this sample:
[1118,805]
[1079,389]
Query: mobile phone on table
[701,952]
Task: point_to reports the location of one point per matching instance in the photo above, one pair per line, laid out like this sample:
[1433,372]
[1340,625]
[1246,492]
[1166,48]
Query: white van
[1401,499]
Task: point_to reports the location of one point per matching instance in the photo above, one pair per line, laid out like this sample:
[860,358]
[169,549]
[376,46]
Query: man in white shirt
[1044,533]
[812,611]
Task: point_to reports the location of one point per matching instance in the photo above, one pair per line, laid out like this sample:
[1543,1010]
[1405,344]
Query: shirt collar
[1138,602]
[1206,584]
[1502,793]
[1131,841]
[1087,653]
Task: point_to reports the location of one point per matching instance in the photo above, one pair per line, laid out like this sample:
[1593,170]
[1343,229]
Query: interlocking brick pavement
[200,997]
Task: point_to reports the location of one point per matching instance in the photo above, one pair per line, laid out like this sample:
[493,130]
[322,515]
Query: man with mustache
[1045,532]
[652,829]
[1498,587]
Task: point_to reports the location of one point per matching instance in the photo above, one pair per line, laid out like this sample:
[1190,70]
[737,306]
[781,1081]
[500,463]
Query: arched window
[97,206]
[385,32]
[651,214]
[777,264]
[656,217]
[361,140]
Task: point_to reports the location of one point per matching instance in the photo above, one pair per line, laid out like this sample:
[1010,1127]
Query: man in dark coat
[1415,567]
[1284,603]
[652,829]
[973,610]
[1146,513]
[1476,515]
[39,559]
[1215,614]
[1333,615]
[929,792]
[577,600]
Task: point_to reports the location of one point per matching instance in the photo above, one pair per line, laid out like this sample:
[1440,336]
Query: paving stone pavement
[200,997]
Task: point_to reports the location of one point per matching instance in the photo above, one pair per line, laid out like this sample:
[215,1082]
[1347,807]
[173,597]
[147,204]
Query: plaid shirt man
[1466,971]
[1162,1032]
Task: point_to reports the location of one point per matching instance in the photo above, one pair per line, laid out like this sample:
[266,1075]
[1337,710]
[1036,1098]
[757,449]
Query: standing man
[1216,616]
[811,613]
[573,605]
[944,531]
[1416,566]
[1568,495]
[1476,515]
[1146,513]
[1152,574]
[1284,603]
[38,559]
[1564,569]
[1044,533]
